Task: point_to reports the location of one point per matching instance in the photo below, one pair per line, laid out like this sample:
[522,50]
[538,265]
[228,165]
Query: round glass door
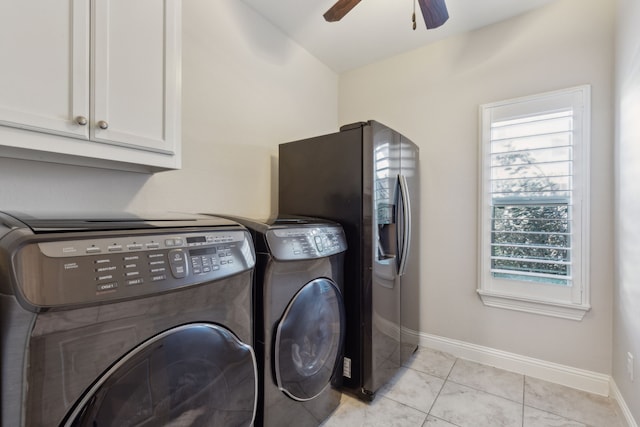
[192,375]
[309,339]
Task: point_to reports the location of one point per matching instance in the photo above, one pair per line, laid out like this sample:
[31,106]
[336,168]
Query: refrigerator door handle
[399,221]
[404,231]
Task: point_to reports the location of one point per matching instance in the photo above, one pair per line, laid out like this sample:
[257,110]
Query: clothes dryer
[300,318]
[124,321]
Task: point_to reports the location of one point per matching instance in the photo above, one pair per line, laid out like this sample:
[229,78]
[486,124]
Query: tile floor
[435,389]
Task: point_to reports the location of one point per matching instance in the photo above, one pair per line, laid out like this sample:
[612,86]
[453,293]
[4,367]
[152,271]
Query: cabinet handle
[102,124]
[81,120]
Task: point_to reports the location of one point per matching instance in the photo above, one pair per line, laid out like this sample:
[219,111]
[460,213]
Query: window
[534,203]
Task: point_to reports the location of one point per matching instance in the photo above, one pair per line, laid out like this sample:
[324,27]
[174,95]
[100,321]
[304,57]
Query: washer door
[308,342]
[193,375]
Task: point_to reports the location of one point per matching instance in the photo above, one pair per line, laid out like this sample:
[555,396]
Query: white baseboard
[626,412]
[580,379]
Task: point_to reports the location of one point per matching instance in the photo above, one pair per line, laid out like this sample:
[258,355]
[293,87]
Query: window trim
[514,295]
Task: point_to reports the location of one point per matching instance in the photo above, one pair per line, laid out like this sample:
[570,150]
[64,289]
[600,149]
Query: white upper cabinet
[91,82]
[134,42]
[44,77]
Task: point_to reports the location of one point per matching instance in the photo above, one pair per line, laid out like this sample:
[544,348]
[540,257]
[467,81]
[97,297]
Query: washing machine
[300,318]
[125,320]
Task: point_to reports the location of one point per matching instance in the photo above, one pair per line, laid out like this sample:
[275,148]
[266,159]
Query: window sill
[510,302]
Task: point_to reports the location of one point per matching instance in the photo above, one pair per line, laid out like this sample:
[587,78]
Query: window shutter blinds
[531,184]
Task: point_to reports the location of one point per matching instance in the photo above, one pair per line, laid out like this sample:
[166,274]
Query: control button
[102,261]
[156,262]
[134,247]
[169,242]
[319,244]
[179,242]
[206,269]
[131,266]
[106,277]
[158,270]
[176,255]
[158,277]
[178,263]
[153,245]
[197,270]
[132,282]
[131,258]
[104,287]
[103,269]
[93,250]
[156,255]
[132,273]
[114,248]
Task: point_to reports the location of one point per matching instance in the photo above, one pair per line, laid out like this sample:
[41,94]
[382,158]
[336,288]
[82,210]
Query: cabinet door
[44,72]
[136,73]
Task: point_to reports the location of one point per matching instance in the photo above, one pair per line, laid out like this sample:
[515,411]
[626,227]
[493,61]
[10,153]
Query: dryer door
[193,375]
[309,338]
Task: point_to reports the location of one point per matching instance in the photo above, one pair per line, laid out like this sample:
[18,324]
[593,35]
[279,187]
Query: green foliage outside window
[531,220]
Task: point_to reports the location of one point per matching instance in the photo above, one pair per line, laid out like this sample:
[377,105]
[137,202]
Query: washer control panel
[306,242]
[67,272]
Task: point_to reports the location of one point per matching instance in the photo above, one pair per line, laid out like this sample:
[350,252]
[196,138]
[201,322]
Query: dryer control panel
[306,242]
[65,272]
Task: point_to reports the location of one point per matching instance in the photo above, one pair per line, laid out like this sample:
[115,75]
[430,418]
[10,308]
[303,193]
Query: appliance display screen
[196,239]
[203,251]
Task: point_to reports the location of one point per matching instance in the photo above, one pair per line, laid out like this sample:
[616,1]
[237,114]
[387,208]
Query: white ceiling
[377,29]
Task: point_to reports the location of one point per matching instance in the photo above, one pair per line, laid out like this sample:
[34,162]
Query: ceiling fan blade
[338,10]
[434,12]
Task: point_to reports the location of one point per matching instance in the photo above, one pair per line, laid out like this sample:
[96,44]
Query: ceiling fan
[434,12]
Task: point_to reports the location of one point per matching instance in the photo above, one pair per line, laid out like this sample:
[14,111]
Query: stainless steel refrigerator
[366,178]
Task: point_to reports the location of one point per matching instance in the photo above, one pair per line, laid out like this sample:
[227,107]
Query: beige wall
[626,318]
[246,87]
[432,96]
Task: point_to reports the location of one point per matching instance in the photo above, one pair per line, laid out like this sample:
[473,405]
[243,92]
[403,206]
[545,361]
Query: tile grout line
[460,383]
[550,411]
[441,388]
